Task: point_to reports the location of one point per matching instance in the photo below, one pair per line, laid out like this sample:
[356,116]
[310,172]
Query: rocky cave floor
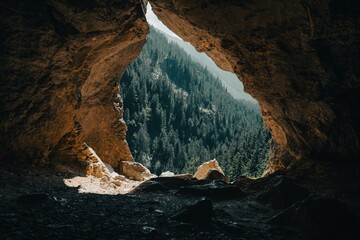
[36,204]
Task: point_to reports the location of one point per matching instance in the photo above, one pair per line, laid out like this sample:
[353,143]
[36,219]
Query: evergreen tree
[179,115]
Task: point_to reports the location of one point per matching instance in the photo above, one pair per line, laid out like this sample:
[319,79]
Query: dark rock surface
[318,218]
[70,215]
[282,192]
[213,190]
[214,174]
[199,213]
[153,214]
[33,199]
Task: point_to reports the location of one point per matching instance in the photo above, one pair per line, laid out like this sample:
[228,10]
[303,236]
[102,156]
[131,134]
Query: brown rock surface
[204,169]
[299,59]
[60,66]
[135,171]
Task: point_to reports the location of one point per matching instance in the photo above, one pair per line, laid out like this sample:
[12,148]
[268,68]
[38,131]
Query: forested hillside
[179,115]
[229,80]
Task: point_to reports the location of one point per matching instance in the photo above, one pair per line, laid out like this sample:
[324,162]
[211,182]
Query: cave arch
[299,60]
[282,52]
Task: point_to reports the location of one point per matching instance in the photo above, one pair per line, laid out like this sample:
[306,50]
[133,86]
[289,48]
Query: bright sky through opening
[153,20]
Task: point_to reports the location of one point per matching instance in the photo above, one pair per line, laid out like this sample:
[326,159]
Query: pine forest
[179,115]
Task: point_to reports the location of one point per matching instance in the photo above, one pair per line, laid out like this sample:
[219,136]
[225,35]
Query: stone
[120,178]
[134,170]
[214,174]
[282,192]
[149,186]
[199,213]
[97,170]
[215,190]
[318,218]
[149,231]
[117,183]
[203,170]
[167,174]
[106,178]
[184,176]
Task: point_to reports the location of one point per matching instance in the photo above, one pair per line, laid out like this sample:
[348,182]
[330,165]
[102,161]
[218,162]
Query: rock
[214,190]
[203,170]
[33,199]
[149,186]
[173,182]
[282,192]
[318,218]
[120,178]
[199,213]
[117,183]
[167,174]
[111,172]
[96,167]
[214,174]
[134,170]
[184,176]
[149,231]
[106,178]
[66,92]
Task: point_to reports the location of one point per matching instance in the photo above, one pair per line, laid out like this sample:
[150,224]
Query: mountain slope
[229,80]
[179,115]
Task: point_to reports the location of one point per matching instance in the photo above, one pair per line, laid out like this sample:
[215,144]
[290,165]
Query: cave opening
[60,106]
[182,110]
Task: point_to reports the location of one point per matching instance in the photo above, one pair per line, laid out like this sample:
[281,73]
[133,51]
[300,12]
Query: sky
[153,20]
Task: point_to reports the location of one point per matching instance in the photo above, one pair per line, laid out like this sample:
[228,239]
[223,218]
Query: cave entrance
[183,110]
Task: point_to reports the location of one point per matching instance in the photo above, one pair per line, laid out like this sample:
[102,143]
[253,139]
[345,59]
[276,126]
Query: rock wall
[60,63]
[299,59]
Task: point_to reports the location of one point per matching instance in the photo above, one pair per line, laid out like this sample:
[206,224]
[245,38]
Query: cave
[61,111]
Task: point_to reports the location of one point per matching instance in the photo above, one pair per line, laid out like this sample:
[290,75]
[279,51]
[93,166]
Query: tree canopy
[179,115]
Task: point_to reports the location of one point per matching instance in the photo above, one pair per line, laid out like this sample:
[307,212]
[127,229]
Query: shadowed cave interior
[62,117]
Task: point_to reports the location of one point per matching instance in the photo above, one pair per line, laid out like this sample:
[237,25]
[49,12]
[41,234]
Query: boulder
[97,170]
[149,186]
[203,170]
[282,192]
[135,171]
[167,174]
[214,174]
[199,213]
